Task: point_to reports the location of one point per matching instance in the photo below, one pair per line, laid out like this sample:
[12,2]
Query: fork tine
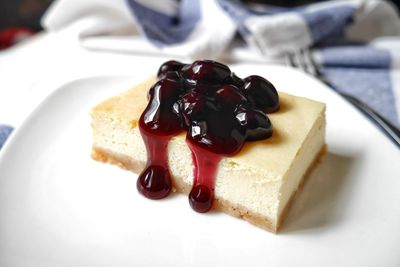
[300,58]
[318,72]
[307,59]
[314,64]
[291,60]
[297,61]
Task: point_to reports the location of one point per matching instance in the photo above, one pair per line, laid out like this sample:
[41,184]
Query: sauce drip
[205,163]
[155,180]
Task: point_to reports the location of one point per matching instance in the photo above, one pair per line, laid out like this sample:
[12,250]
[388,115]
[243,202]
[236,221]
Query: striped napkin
[5,131]
[354,43]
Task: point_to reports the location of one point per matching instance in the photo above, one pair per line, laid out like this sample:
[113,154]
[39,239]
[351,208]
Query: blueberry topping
[192,106]
[236,81]
[205,72]
[229,96]
[154,182]
[170,75]
[261,94]
[219,111]
[210,135]
[201,198]
[169,66]
[159,116]
[254,123]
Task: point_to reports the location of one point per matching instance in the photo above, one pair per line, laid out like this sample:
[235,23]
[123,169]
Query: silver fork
[304,61]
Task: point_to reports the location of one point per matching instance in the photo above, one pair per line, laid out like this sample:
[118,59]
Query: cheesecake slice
[257,184]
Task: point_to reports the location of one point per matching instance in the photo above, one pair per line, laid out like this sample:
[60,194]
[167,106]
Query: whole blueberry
[261,94]
[168,66]
[254,123]
[158,116]
[229,96]
[205,72]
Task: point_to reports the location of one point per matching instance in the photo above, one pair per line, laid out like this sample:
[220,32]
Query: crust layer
[219,204]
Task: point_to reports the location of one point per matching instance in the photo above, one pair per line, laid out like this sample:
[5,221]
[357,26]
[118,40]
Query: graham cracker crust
[219,204]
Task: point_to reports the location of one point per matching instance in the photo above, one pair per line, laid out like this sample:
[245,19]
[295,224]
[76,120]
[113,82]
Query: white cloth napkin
[109,25]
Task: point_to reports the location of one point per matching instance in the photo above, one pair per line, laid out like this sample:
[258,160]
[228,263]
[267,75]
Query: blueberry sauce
[219,111]
[206,162]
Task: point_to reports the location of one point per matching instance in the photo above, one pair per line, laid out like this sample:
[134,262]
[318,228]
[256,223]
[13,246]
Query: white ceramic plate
[58,207]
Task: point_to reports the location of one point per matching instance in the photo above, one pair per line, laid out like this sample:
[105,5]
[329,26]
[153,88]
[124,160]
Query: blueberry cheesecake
[231,144]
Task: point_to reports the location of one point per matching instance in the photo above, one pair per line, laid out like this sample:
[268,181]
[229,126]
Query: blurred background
[20,19]
[22,13]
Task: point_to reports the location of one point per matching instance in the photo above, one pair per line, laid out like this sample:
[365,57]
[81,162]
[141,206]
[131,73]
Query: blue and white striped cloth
[5,131]
[354,42]
[346,38]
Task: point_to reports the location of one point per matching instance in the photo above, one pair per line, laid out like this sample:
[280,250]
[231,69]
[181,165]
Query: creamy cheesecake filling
[306,155]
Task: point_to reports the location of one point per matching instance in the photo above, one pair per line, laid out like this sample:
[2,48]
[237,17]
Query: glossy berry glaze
[218,110]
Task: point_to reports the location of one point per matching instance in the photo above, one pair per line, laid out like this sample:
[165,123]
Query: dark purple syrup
[205,164]
[218,110]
